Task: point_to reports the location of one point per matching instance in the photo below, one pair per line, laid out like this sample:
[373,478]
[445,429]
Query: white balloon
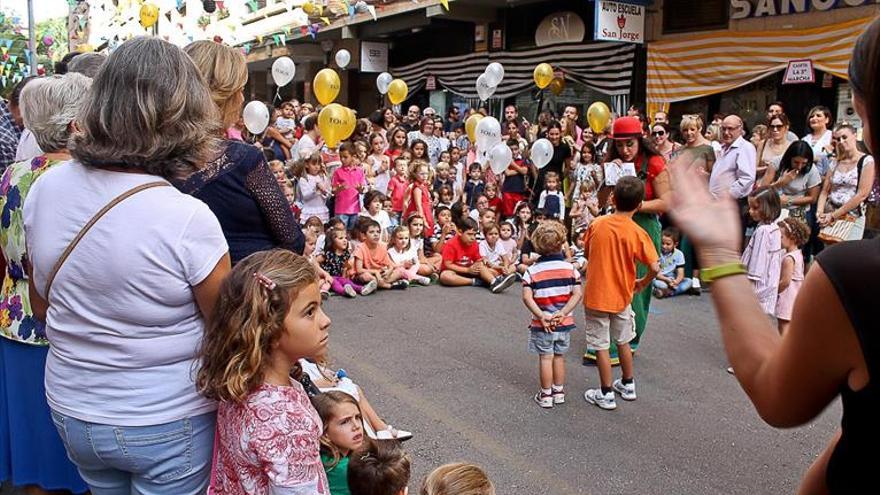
[482,156]
[484,89]
[500,157]
[256,117]
[542,152]
[343,58]
[494,73]
[283,71]
[488,133]
[383,81]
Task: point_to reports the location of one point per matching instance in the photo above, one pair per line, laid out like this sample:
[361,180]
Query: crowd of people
[203,348]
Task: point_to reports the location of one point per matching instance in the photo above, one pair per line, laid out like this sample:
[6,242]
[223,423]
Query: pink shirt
[269,444]
[348,199]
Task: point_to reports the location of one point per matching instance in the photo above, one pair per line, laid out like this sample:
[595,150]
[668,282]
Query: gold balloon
[326,86]
[557,85]
[149,15]
[543,75]
[397,91]
[350,123]
[333,123]
[598,116]
[85,48]
[470,125]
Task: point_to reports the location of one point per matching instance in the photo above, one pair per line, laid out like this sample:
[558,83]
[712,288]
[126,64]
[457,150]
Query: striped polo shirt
[552,280]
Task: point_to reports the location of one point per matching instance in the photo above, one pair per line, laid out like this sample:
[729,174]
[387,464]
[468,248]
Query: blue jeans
[123,460]
[350,221]
[683,286]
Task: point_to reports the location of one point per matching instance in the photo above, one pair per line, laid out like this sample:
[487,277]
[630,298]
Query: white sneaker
[627,392]
[349,291]
[545,401]
[559,397]
[604,401]
[422,280]
[369,288]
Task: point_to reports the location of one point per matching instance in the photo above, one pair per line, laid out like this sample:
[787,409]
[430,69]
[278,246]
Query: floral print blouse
[16,318]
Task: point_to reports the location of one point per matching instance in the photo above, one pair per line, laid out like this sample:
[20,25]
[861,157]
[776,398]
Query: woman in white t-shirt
[819,137]
[126,310]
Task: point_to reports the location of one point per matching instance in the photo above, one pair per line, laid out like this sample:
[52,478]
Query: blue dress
[247,200]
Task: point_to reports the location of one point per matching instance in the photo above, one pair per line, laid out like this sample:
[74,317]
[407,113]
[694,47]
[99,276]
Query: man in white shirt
[734,169]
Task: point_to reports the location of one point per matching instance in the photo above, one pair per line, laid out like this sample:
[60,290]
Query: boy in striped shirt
[551,291]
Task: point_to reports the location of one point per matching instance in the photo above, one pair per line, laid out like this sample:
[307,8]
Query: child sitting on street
[613,243]
[379,468]
[551,291]
[496,256]
[671,280]
[463,265]
[343,434]
[336,260]
[372,262]
[405,255]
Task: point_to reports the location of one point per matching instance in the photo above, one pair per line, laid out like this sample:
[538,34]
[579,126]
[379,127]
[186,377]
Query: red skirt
[509,200]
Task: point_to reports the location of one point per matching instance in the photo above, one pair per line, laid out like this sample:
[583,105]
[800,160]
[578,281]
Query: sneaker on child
[558,397]
[544,400]
[400,285]
[422,280]
[605,401]
[627,391]
[349,291]
[502,282]
[369,288]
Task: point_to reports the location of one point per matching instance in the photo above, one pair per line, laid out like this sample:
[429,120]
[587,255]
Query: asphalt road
[451,365]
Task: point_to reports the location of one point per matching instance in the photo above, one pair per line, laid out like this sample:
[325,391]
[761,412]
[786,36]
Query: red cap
[627,128]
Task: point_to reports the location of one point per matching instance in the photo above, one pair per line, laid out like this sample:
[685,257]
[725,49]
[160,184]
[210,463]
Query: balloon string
[277,95]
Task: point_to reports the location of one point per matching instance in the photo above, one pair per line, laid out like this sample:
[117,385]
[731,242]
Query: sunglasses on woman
[658,133]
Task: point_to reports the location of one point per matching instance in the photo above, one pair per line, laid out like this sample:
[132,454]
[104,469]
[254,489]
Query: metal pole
[32,28]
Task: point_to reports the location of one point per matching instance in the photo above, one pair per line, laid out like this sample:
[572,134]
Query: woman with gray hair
[29,443]
[124,270]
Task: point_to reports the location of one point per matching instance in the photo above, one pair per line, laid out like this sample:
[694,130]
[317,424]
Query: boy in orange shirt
[372,262]
[612,244]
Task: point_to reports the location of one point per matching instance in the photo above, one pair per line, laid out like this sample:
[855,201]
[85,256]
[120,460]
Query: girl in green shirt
[343,434]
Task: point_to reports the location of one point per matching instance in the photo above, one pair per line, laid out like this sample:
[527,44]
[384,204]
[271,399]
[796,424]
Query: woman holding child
[631,147]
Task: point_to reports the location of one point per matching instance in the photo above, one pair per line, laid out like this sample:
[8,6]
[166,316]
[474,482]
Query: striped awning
[605,67]
[704,64]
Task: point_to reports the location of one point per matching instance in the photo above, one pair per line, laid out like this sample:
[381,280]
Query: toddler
[496,257]
[585,208]
[444,230]
[671,280]
[336,260]
[380,163]
[373,209]
[457,479]
[442,178]
[795,234]
[397,187]
[388,206]
[445,197]
[763,255]
[313,187]
[343,434]
[507,238]
[551,291]
[372,262]
[474,186]
[267,316]
[286,123]
[552,201]
[613,243]
[491,192]
[379,468]
[405,256]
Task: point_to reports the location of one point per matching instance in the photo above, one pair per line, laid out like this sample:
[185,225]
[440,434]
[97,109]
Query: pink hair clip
[265,281]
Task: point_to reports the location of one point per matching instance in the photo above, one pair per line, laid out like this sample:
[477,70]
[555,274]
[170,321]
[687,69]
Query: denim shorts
[544,343]
[169,458]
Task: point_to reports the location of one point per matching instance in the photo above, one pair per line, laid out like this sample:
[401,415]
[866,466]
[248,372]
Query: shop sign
[741,9]
[617,21]
[799,72]
[561,27]
[431,83]
[374,56]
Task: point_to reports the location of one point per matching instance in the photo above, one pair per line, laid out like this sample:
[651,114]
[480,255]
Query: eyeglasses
[658,133]
[730,128]
[776,126]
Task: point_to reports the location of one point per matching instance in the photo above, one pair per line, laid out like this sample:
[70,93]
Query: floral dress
[16,317]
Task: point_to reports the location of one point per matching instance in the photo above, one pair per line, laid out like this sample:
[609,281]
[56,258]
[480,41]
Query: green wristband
[720,271]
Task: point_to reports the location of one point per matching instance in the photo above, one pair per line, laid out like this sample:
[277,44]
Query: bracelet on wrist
[720,271]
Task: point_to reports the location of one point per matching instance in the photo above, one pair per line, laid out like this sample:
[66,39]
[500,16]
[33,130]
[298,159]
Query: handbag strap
[103,211]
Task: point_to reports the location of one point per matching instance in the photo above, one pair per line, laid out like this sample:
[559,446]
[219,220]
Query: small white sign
[613,172]
[619,21]
[799,72]
[374,56]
